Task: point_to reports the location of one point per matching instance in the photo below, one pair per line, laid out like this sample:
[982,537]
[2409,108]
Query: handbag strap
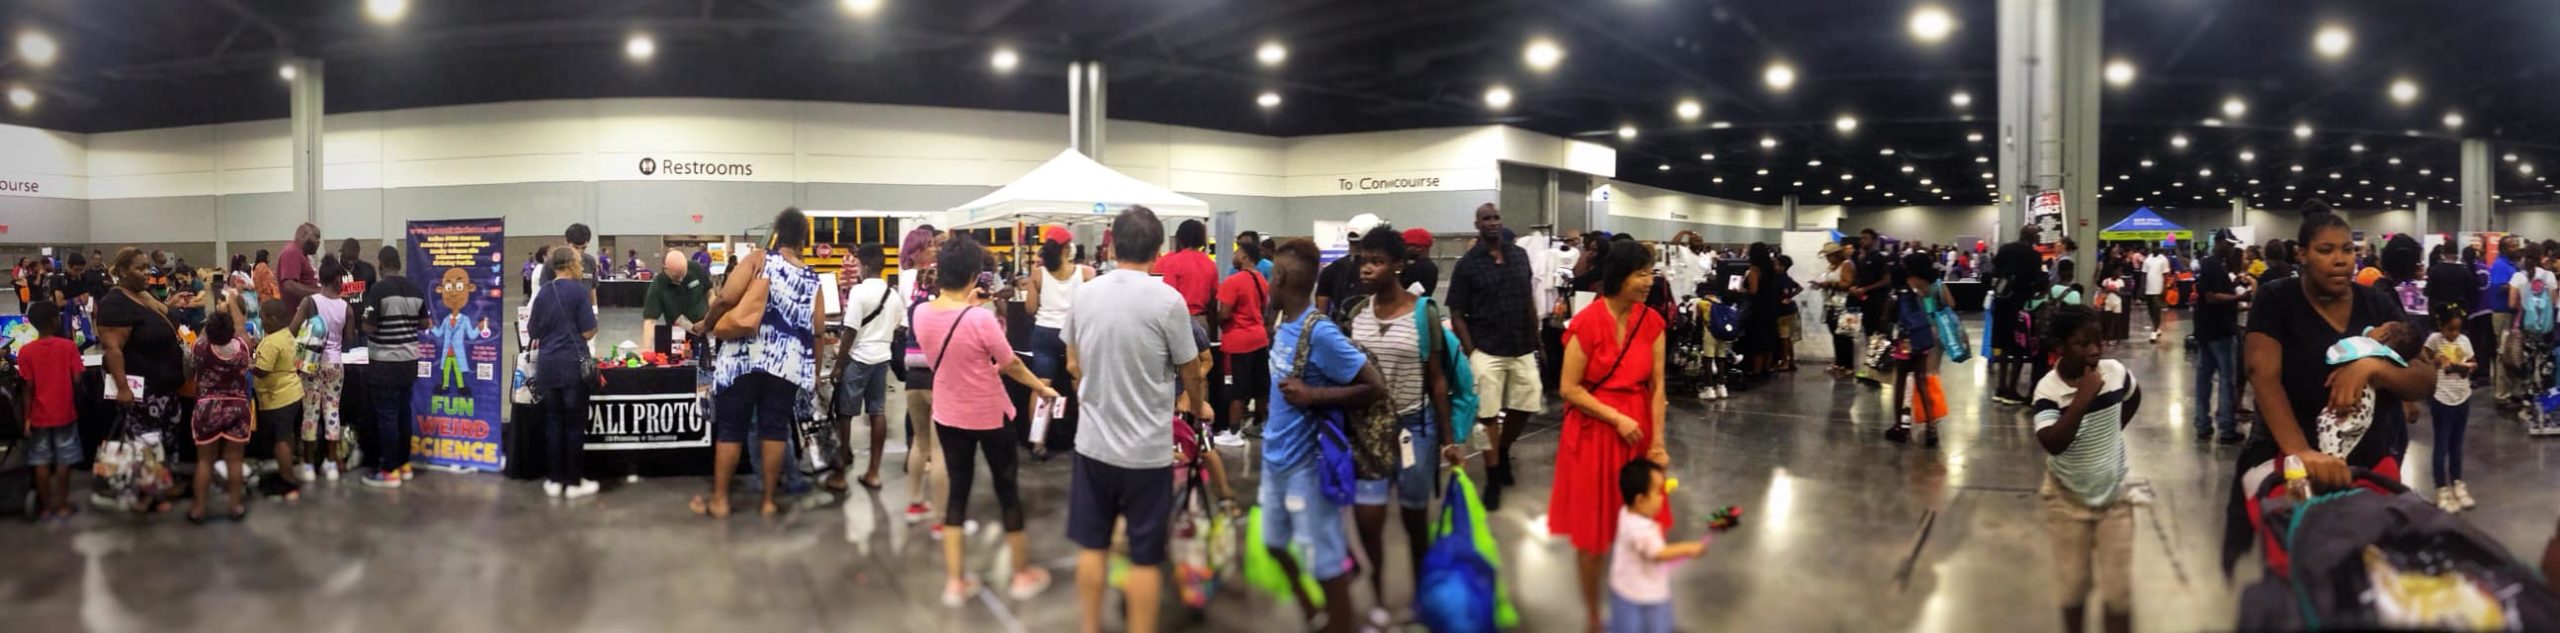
[1306,341]
[1640,311]
[562,308]
[946,339]
[885,291]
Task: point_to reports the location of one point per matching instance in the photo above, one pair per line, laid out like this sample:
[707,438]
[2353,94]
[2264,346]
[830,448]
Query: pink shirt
[968,392]
[1633,574]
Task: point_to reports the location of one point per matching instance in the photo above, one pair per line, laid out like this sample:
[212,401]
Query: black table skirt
[621,293]
[525,435]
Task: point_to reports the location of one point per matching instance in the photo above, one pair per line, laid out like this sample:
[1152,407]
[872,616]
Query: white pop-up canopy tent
[1072,189]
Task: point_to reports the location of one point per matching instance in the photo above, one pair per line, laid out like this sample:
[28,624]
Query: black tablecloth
[621,293]
[526,435]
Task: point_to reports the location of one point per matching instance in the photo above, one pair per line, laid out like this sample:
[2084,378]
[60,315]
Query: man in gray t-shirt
[1128,343]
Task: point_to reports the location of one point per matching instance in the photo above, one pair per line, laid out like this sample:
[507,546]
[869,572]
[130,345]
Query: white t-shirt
[2451,390]
[871,341]
[2155,272]
[1633,574]
[2524,284]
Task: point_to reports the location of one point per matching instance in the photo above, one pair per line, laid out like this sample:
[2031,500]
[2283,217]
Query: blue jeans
[1295,513]
[2218,361]
[2452,423]
[1638,617]
[1048,354]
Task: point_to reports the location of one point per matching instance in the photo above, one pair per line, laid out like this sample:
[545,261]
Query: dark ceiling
[1357,65]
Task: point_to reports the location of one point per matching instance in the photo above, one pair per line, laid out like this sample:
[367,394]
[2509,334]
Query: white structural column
[1086,115]
[2240,212]
[2479,184]
[2425,224]
[1790,205]
[309,167]
[2050,52]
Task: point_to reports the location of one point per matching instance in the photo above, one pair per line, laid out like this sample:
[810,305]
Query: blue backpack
[1724,321]
[1463,403]
[1460,588]
[1333,443]
[2537,309]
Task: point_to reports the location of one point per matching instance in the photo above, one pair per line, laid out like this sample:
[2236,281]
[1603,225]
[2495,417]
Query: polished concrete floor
[1844,532]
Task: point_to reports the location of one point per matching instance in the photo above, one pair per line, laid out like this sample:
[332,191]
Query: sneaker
[305,474]
[1723,392]
[1929,436]
[2445,500]
[2204,435]
[2155,336]
[585,487]
[221,470]
[917,513]
[382,480]
[1029,583]
[330,471]
[551,488]
[935,533]
[1901,432]
[2462,494]
[1229,439]
[956,595]
[406,473]
[2229,438]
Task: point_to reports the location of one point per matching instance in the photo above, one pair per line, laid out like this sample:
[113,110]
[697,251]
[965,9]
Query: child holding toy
[1640,562]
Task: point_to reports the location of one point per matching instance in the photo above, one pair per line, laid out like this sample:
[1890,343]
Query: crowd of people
[1358,380]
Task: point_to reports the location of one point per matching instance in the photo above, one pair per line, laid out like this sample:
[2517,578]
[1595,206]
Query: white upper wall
[43,163]
[771,141]
[1639,201]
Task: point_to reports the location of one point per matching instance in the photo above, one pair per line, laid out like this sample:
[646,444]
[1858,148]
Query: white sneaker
[1229,439]
[2446,502]
[585,487]
[1723,392]
[550,488]
[330,471]
[221,470]
[305,473]
[2462,494]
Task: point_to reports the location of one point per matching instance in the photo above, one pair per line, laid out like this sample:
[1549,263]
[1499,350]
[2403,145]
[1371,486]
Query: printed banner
[646,422]
[2045,212]
[458,399]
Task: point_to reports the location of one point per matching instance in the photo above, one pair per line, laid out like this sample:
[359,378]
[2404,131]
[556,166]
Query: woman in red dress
[1612,369]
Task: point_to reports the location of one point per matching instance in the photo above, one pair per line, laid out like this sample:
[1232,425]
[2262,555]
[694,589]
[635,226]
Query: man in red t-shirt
[49,366]
[295,274]
[1190,271]
[1244,343]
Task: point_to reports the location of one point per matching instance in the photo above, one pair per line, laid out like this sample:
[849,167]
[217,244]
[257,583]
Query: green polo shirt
[669,297]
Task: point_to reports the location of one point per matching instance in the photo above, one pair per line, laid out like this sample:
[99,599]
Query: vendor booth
[2154,231]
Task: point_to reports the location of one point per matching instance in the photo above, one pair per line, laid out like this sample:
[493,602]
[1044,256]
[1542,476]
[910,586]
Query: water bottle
[2297,479]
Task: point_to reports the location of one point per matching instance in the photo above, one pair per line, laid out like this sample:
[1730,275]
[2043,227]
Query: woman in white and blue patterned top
[763,383]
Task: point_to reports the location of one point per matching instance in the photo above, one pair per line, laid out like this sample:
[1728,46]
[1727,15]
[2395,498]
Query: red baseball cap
[1417,238]
[1057,235]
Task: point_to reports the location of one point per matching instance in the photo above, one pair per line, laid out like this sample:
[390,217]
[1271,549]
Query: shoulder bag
[742,320]
[1333,447]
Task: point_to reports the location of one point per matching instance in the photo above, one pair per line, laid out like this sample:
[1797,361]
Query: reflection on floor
[1832,539]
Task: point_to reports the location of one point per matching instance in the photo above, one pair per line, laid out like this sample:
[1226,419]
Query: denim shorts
[864,388]
[53,445]
[757,404]
[1295,512]
[1415,481]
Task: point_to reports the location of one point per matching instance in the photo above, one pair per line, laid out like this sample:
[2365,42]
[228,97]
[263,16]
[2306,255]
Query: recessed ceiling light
[1871,187]
[1846,176]
[1768,142]
[1626,132]
[2426,172]
[1845,123]
[1498,97]
[1764,172]
[1885,152]
[1542,54]
[639,47]
[2146,163]
[1813,163]
[1961,99]
[1981,159]
[2212,122]
[1271,54]
[2404,91]
[2332,41]
[2234,107]
[1707,156]
[2453,120]
[2395,160]
[1988,175]
[2448,179]
[2248,156]
[287,71]
[21,97]
[1975,137]
[1268,100]
[389,11]
[1004,60]
[2179,141]
[1689,109]
[1779,76]
[1756,188]
[1930,24]
[2253,181]
[1826,192]
[2205,173]
[1925,182]
[2108,188]
[2510,157]
[1718,125]
[2120,73]
[37,48]
[2357,148]
[1664,167]
[2302,130]
[2178,184]
[1907,169]
[1718,180]
[2124,176]
[1799,183]
[2364,183]
[2297,169]
[2526,169]
[2334,175]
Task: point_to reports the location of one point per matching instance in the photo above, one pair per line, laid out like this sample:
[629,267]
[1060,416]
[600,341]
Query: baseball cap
[1057,235]
[1361,224]
[1417,238]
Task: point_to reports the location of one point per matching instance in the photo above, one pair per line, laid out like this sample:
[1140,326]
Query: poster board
[2045,211]
[457,403]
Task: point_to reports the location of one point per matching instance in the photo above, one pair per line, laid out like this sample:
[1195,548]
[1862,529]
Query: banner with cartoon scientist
[459,396]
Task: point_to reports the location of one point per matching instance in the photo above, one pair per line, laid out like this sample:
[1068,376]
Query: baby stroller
[1202,555]
[2371,556]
